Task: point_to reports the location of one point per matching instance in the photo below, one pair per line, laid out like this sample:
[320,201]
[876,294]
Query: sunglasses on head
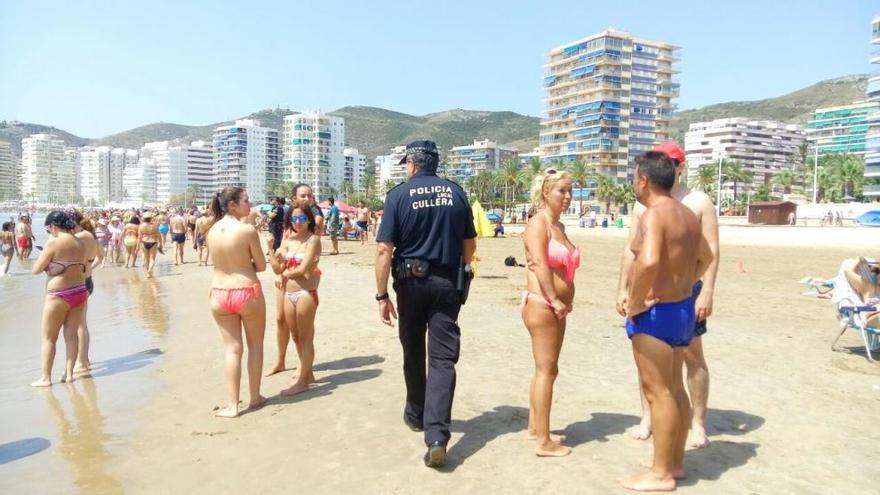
[550,171]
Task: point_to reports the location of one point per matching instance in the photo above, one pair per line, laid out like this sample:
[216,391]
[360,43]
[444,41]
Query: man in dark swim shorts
[670,255]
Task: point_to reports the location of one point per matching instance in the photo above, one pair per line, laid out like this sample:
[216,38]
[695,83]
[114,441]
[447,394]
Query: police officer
[428,225]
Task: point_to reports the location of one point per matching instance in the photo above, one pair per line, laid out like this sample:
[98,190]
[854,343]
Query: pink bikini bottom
[73,296]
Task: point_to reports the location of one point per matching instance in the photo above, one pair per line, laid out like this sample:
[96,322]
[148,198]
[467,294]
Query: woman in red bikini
[236,297]
[296,261]
[64,261]
[552,261]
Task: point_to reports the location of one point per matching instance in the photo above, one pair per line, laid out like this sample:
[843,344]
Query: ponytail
[220,203]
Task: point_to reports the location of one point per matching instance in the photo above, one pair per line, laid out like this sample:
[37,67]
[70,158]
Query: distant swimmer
[236,297]
[670,255]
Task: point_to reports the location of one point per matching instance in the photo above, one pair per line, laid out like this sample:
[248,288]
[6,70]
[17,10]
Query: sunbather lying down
[862,275]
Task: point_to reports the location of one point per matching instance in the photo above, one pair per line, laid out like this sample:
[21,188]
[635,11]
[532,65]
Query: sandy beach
[787,415]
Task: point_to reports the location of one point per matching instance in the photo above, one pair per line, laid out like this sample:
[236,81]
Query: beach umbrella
[265,207]
[342,205]
[493,217]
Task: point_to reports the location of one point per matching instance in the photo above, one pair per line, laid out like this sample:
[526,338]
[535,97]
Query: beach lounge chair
[853,312]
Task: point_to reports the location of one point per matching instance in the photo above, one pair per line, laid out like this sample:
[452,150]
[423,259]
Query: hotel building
[246,155]
[314,151]
[463,162]
[48,170]
[9,173]
[872,139]
[608,98]
[355,168]
[841,129]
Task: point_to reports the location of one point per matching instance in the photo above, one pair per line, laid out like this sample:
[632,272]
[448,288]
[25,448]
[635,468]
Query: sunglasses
[299,218]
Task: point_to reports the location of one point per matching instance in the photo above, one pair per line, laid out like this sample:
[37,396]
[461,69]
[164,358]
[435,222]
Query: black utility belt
[417,268]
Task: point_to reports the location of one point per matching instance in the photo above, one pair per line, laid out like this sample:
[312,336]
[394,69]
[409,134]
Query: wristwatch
[382,297]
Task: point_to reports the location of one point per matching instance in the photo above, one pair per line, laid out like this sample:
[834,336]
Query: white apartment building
[355,168]
[608,98]
[200,169]
[171,169]
[314,151]
[246,155]
[463,162]
[139,182]
[389,169]
[101,170]
[764,147]
[9,173]
[49,170]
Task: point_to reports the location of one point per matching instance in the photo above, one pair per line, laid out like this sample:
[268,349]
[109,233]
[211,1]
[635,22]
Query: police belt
[418,268]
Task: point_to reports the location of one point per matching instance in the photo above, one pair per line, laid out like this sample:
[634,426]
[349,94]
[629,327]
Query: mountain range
[374,130]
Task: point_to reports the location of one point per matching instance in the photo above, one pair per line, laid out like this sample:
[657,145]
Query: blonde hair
[544,181]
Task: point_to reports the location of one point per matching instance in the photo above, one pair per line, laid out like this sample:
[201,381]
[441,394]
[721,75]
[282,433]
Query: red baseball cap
[672,150]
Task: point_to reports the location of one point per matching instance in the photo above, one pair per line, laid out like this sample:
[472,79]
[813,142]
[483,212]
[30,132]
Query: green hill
[792,108]
[374,130]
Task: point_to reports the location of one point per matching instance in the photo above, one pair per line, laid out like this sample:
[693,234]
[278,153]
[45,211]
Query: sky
[95,68]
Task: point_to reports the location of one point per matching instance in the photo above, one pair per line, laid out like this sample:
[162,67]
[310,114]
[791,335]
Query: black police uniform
[428,218]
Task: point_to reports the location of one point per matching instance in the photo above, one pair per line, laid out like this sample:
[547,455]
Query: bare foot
[82,368]
[42,382]
[699,439]
[677,473]
[277,369]
[530,435]
[296,388]
[649,482]
[65,378]
[257,403]
[227,412]
[641,431]
[552,449]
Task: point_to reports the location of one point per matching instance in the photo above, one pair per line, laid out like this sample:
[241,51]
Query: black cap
[420,147]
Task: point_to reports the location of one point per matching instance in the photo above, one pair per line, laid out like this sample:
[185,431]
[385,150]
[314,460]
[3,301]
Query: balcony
[872,171]
[871,190]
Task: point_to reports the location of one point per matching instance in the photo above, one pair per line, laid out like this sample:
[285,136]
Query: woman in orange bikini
[552,261]
[236,297]
[64,260]
[296,261]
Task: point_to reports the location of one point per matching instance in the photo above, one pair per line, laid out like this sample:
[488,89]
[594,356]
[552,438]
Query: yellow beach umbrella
[483,227]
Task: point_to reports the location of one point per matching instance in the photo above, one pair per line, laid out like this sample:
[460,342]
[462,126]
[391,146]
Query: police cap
[428,147]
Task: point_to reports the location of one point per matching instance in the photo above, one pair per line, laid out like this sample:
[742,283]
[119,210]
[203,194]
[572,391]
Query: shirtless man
[697,371]
[178,236]
[670,254]
[203,225]
[24,236]
[363,221]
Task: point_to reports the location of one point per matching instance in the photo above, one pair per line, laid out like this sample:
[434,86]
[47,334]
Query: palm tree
[706,177]
[624,195]
[193,193]
[369,184]
[390,183]
[533,167]
[347,191]
[509,178]
[605,188]
[786,178]
[580,173]
[735,171]
[849,171]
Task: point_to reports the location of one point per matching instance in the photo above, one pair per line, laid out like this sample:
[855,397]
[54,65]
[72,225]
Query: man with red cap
[704,290]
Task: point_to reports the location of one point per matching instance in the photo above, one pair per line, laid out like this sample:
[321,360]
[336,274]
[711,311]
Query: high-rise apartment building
[872,139]
[841,129]
[462,162]
[101,169]
[9,173]
[355,168]
[389,169]
[171,169]
[763,147]
[200,169]
[608,98]
[314,150]
[246,155]
[49,172]
[139,182]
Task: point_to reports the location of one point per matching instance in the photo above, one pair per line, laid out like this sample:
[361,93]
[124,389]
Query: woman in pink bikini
[64,260]
[236,297]
[552,261]
[296,261]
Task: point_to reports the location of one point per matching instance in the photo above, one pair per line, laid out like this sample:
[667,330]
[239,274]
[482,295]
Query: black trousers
[429,306]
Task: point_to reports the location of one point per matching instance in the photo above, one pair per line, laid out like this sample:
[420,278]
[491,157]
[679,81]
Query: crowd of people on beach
[665,291]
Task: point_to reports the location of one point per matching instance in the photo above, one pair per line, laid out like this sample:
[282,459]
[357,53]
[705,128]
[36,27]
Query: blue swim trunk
[671,322]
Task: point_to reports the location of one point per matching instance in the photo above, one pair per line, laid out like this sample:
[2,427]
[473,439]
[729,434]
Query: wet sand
[787,415]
